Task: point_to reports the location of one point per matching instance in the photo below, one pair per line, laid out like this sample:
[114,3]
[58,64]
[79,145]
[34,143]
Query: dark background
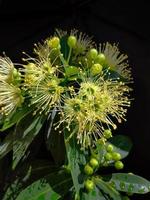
[23,23]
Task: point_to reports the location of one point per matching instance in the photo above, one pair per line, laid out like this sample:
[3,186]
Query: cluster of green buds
[86,85]
[113,156]
[102,156]
[89,170]
[110,154]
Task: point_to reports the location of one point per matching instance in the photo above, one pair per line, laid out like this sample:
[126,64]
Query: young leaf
[130,183]
[25,132]
[51,187]
[122,144]
[107,188]
[76,160]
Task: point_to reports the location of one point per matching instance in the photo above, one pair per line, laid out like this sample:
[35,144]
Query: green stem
[70,51]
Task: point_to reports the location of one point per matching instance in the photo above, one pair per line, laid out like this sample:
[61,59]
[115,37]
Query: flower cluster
[89,87]
[10,93]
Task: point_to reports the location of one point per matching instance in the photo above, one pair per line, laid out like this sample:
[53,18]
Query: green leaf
[64,46]
[130,183]
[122,144]
[54,140]
[16,117]
[26,175]
[7,145]
[76,159]
[50,187]
[93,195]
[107,188]
[25,132]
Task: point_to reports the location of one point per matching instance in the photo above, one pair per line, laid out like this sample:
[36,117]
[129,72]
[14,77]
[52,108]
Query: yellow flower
[115,60]
[35,72]
[6,69]
[10,98]
[84,42]
[96,106]
[46,94]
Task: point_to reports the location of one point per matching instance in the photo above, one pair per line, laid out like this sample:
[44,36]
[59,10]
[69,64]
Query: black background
[23,23]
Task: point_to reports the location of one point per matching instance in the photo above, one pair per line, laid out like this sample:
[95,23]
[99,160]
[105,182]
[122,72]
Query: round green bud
[96,69]
[101,58]
[109,148]
[94,163]
[72,40]
[108,156]
[54,42]
[89,185]
[107,133]
[93,53]
[116,156]
[15,72]
[119,165]
[88,169]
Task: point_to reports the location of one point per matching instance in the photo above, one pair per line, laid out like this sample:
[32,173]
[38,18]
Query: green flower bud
[54,42]
[110,148]
[88,169]
[89,185]
[101,58]
[119,165]
[116,156]
[93,53]
[96,69]
[108,156]
[94,163]
[107,133]
[72,40]
[15,73]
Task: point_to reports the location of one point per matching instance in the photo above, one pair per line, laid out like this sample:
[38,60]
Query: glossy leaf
[25,132]
[7,145]
[26,175]
[130,183]
[54,140]
[16,117]
[50,187]
[76,160]
[93,195]
[107,188]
